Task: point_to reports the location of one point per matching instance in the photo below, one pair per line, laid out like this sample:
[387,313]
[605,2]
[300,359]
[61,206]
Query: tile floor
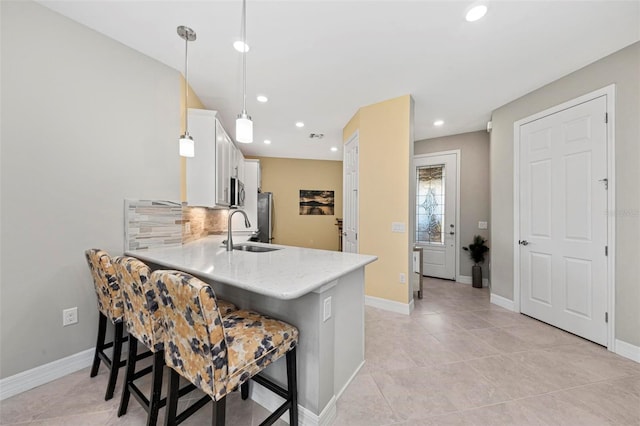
[457,360]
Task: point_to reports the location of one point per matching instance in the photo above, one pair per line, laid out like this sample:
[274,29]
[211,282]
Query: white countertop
[287,273]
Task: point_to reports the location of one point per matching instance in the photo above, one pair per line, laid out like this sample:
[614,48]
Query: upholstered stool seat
[253,342]
[110,308]
[143,322]
[220,353]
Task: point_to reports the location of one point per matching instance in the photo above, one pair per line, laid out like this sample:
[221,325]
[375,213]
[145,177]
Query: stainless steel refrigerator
[265,217]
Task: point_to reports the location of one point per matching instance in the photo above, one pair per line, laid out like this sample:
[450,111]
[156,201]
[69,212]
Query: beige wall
[285,177]
[474,187]
[85,123]
[193,102]
[385,151]
[623,69]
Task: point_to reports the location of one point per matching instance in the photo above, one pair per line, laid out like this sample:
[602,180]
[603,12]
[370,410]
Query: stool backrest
[106,284]
[194,338]
[141,315]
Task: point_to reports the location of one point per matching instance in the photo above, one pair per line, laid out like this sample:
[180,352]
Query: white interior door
[563,221]
[436,199]
[350,194]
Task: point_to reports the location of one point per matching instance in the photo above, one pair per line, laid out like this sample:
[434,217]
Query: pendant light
[244,125]
[186,141]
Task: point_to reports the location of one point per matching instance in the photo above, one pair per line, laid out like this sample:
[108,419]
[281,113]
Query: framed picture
[316,202]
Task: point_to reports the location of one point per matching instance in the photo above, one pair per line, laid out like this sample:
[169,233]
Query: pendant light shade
[187,148]
[244,128]
[244,125]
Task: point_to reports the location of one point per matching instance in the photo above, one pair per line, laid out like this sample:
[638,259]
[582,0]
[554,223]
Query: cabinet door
[240,165]
[223,147]
[201,170]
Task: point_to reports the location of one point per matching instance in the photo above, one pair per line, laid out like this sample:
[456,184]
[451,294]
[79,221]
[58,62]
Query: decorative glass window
[430,204]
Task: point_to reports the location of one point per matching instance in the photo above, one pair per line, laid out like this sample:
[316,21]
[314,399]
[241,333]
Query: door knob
[523,242]
[451,233]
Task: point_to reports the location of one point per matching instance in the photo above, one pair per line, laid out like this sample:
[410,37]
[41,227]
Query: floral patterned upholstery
[107,287]
[253,342]
[141,315]
[216,354]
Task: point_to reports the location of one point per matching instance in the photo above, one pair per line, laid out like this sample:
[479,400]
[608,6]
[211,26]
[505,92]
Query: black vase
[476,276]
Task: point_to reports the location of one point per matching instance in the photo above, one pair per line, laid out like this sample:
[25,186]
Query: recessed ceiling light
[262,98]
[334,149]
[299,124]
[438,123]
[241,46]
[476,12]
[267,142]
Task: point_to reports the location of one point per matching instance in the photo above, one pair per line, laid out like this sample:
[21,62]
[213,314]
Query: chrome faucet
[229,237]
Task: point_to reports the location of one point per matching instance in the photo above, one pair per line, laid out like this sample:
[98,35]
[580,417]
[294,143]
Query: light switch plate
[397,227]
[482,225]
[326,314]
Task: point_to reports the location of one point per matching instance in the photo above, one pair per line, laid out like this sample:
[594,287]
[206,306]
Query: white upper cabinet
[223,174]
[210,170]
[240,173]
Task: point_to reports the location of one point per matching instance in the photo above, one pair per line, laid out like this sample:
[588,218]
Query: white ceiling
[319,61]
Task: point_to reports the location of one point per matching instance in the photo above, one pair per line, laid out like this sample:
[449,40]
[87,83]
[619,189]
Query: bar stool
[110,306]
[142,321]
[219,354]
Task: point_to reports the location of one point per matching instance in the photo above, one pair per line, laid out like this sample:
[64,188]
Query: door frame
[457,152]
[609,92]
[355,137]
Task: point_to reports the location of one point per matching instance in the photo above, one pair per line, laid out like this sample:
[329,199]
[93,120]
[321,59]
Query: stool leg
[115,360]
[292,387]
[102,329]
[219,412]
[172,399]
[131,370]
[156,388]
[244,390]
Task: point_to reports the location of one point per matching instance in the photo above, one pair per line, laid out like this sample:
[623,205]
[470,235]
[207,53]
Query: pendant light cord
[186,85]
[244,57]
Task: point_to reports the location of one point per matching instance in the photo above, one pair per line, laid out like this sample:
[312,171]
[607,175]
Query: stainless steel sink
[254,249]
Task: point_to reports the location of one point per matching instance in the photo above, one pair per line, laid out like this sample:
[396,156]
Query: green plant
[477,249]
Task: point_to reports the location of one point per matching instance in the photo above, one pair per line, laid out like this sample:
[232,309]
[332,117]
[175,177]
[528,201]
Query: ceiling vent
[316,135]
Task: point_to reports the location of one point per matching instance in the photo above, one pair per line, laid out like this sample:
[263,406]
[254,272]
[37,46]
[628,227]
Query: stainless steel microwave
[237,193]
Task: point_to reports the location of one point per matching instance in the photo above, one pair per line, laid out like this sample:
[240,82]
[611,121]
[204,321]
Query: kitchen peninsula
[320,292]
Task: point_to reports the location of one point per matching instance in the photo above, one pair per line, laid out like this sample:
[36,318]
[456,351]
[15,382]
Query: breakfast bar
[320,292]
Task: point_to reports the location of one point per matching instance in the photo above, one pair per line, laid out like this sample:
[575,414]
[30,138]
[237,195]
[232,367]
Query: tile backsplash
[201,221]
[156,223]
[152,223]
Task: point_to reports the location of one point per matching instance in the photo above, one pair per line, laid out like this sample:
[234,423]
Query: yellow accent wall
[285,177]
[194,102]
[385,151]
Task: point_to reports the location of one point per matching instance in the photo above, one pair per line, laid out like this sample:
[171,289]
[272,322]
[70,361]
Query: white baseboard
[466,279]
[271,402]
[388,305]
[22,382]
[503,302]
[628,350]
[353,376]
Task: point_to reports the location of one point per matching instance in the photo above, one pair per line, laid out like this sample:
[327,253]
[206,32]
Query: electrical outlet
[403,278]
[482,225]
[69,316]
[327,309]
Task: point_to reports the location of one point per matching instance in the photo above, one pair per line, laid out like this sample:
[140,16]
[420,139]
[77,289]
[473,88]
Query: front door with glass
[436,197]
